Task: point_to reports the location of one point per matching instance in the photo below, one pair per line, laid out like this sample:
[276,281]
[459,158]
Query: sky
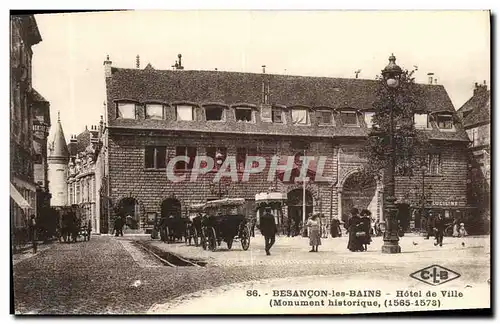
[68,64]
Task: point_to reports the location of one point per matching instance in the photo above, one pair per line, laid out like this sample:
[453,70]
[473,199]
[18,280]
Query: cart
[275,201]
[226,221]
[193,226]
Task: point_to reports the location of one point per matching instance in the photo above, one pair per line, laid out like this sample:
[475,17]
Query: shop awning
[18,198]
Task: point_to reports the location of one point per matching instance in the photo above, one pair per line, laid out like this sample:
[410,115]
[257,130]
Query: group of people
[269,229]
[359,229]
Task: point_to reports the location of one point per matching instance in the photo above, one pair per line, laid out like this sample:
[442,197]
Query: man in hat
[268,229]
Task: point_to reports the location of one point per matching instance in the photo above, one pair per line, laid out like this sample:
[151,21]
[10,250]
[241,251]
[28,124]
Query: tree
[404,101]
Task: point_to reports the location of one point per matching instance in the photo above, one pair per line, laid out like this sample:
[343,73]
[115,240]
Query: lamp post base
[391,247]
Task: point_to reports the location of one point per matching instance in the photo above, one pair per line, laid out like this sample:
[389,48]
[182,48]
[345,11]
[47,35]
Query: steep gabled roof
[477,109]
[58,148]
[230,88]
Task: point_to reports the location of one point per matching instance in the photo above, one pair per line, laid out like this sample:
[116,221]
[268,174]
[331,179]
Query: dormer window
[184,112]
[155,111]
[300,116]
[277,115]
[421,121]
[125,110]
[244,114]
[349,118]
[325,117]
[214,113]
[445,122]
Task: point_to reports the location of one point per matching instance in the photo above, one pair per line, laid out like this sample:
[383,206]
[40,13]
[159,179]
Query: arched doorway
[295,207]
[128,208]
[359,191]
[171,206]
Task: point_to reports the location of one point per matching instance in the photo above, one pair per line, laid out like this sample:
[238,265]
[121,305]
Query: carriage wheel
[212,240]
[244,238]
[204,238]
[229,242]
[195,237]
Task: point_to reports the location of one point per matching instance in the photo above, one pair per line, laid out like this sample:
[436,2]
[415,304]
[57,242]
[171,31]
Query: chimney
[107,67]
[480,88]
[138,61]
[72,146]
[94,134]
[263,69]
[430,76]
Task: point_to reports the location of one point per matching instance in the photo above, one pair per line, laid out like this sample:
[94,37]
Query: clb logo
[435,275]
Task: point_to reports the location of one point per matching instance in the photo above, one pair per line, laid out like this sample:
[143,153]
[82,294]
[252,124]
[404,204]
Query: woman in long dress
[365,228]
[353,226]
[313,224]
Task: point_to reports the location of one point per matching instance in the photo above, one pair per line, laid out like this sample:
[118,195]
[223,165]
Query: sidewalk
[25,251]
[295,250]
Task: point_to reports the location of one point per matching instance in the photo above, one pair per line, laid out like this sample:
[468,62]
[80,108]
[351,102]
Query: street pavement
[109,275]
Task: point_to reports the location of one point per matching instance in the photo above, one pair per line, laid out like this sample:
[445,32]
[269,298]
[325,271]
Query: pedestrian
[335,229]
[455,228]
[314,225]
[252,228]
[439,225]
[461,231]
[89,229]
[119,226]
[32,231]
[429,222]
[268,229]
[353,227]
[365,226]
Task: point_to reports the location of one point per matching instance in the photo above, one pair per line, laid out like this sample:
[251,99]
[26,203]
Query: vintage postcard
[250,162]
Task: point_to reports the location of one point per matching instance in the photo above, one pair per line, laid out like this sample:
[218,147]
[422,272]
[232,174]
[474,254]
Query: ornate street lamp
[391,74]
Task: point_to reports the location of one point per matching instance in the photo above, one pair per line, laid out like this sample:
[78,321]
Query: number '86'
[252,293]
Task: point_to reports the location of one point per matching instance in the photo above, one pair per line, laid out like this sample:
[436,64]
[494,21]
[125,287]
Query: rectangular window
[243,114]
[325,117]
[300,116]
[155,157]
[434,163]
[190,153]
[154,111]
[473,136]
[77,192]
[421,121]
[214,113]
[445,121]
[184,112]
[277,115]
[125,110]
[349,118]
[369,119]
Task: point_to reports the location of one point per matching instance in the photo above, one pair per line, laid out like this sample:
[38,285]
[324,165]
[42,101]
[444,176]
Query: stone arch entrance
[171,206]
[129,208]
[359,191]
[295,207]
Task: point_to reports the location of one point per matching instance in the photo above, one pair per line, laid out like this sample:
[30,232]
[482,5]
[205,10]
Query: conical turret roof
[58,147]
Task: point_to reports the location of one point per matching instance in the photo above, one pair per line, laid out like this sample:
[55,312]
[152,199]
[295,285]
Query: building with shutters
[476,118]
[24,102]
[154,116]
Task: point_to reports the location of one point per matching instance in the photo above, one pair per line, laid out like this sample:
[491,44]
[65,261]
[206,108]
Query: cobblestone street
[110,275]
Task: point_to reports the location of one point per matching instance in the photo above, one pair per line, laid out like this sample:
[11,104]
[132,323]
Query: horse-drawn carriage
[72,225]
[193,226]
[226,221]
[172,228]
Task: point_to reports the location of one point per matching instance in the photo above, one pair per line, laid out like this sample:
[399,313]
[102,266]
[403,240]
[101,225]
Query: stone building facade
[156,115]
[81,181]
[41,127]
[23,189]
[476,118]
